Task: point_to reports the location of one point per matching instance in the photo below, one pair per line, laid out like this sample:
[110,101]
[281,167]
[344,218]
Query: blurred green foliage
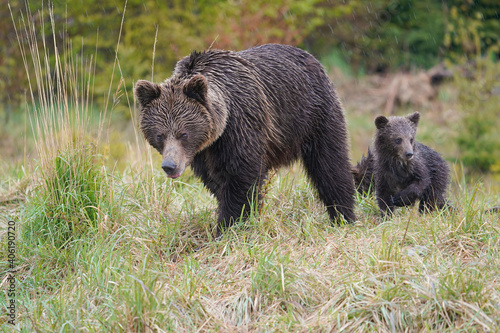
[473,42]
[129,40]
[379,35]
[125,37]
[473,29]
[477,131]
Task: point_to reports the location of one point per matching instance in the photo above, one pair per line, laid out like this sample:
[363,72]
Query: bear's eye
[159,138]
[411,140]
[182,136]
[398,141]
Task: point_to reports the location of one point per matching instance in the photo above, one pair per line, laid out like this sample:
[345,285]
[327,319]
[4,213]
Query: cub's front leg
[410,194]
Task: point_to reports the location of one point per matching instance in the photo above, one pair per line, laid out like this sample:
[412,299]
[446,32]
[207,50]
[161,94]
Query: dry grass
[155,267]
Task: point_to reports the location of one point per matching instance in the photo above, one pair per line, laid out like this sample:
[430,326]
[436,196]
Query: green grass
[153,265]
[69,200]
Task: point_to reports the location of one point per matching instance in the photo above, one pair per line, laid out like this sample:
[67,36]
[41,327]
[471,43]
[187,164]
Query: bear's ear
[197,89]
[414,117]
[146,92]
[381,122]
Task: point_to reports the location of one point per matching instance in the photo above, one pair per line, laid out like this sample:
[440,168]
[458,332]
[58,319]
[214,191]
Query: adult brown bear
[233,116]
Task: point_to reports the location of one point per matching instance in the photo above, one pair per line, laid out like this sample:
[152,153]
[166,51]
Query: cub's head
[396,136]
[175,120]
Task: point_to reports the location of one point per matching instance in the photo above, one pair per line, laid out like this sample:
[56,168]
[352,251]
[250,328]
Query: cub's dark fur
[405,170]
[363,174]
[233,116]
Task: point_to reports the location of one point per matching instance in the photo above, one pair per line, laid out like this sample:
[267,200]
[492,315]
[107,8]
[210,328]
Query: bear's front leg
[431,200]
[410,194]
[384,194]
[402,199]
[237,165]
[236,199]
[231,209]
[385,204]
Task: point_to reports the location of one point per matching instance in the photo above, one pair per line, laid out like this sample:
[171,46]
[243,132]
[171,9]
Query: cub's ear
[197,89]
[381,122]
[414,117]
[146,92]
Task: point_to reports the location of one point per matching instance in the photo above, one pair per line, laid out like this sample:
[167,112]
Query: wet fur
[400,181]
[363,174]
[246,113]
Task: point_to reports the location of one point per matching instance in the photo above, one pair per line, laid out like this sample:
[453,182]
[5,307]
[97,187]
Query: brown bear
[233,116]
[405,170]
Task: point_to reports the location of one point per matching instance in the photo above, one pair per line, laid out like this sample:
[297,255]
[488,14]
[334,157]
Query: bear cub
[404,170]
[233,116]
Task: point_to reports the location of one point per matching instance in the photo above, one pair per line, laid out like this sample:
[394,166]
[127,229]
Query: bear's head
[175,119]
[395,136]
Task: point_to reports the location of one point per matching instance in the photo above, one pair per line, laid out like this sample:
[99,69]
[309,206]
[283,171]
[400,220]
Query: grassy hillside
[146,260]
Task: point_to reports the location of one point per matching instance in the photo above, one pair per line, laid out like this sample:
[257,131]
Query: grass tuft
[69,202]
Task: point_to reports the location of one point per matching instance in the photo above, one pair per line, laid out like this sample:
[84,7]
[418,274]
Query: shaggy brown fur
[233,116]
[406,171]
[363,174]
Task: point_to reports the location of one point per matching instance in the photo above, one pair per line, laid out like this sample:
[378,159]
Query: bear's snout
[174,159]
[169,167]
[409,155]
[172,168]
